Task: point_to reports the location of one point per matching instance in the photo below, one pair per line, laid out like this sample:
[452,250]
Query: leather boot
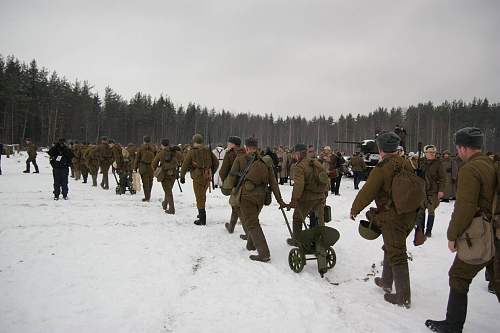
[296,227]
[27,168]
[171,206]
[36,168]
[94,180]
[430,224]
[385,282]
[232,222]
[259,240]
[456,313]
[202,220]
[402,297]
[164,205]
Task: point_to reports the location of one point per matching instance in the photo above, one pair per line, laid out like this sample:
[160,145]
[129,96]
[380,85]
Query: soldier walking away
[395,227]
[201,163]
[451,171]
[233,151]
[358,167]
[60,159]
[310,183]
[105,156]
[435,183]
[83,165]
[144,158]
[477,182]
[168,159]
[118,167]
[31,149]
[340,173]
[256,175]
[76,163]
[92,162]
[401,132]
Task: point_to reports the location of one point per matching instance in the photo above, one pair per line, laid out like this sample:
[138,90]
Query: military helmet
[197,138]
[368,230]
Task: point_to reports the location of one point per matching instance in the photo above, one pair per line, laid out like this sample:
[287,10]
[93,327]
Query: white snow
[106,263]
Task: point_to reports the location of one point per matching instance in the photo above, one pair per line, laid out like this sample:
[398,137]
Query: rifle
[419,171]
[177,178]
[244,173]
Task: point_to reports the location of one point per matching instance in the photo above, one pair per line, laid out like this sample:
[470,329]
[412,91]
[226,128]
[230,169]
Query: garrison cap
[197,138]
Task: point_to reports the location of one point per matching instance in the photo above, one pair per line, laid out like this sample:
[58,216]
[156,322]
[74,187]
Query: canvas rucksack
[320,179]
[407,190]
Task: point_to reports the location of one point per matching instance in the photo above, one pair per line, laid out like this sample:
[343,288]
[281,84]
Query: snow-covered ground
[106,263]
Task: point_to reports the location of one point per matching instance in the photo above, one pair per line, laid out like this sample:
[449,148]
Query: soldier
[105,156]
[234,150]
[92,163]
[31,149]
[340,173]
[60,159]
[311,152]
[358,167]
[144,158]
[308,196]
[168,158]
[475,193]
[201,163]
[451,171]
[435,183]
[83,165]
[76,163]
[259,175]
[119,165]
[395,227]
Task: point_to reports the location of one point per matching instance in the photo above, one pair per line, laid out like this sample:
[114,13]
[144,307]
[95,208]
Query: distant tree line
[44,106]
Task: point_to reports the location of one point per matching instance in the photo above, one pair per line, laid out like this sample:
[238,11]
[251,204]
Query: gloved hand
[282,204]
[183,180]
[292,204]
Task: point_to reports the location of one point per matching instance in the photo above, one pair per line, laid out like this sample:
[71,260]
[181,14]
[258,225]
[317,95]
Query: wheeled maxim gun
[369,151]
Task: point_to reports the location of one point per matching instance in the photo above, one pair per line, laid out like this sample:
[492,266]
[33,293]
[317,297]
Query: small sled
[313,244]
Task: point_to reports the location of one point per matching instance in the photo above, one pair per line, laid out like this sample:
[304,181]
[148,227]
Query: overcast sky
[262,56]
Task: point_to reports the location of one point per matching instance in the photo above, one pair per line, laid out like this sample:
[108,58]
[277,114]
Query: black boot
[430,224]
[232,222]
[455,315]
[402,297]
[202,220]
[385,282]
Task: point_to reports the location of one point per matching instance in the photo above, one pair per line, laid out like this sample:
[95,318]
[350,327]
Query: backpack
[407,191]
[147,156]
[320,179]
[169,163]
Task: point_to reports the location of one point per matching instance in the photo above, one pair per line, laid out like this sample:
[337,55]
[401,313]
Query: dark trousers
[60,181]
[31,160]
[335,184]
[358,175]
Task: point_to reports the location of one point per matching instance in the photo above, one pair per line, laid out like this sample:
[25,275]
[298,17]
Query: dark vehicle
[369,151]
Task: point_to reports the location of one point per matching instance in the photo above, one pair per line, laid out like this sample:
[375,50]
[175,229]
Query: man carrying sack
[471,230]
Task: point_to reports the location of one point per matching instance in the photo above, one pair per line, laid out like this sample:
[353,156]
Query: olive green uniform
[144,158]
[451,171]
[227,163]
[475,190]
[253,193]
[168,159]
[308,194]
[83,166]
[76,161]
[395,227]
[92,162]
[201,163]
[105,156]
[31,149]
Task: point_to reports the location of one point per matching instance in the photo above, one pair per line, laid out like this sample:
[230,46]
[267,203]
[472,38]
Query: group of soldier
[249,176]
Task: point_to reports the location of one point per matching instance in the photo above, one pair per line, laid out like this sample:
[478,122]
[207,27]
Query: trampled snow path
[106,263]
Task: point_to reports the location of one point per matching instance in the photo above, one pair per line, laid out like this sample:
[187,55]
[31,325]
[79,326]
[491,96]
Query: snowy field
[106,263]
